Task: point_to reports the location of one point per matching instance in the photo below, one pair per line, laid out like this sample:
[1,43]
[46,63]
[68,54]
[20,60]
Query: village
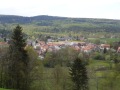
[42,47]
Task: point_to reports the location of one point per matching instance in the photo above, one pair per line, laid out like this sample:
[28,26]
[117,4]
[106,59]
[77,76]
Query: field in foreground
[4,89]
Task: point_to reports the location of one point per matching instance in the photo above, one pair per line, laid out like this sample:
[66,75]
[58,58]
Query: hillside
[53,24]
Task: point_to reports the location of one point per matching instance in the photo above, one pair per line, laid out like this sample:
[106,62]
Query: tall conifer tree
[79,75]
[18,61]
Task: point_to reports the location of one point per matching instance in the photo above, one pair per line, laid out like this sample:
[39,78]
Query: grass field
[4,89]
[104,40]
[110,39]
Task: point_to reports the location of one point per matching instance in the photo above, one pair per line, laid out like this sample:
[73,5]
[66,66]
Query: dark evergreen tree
[79,75]
[104,50]
[5,39]
[18,62]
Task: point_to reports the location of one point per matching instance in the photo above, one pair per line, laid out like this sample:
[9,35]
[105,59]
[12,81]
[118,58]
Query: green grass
[97,63]
[104,40]
[4,89]
[109,40]
[97,78]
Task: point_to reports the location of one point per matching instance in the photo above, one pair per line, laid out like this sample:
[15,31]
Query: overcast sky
[68,8]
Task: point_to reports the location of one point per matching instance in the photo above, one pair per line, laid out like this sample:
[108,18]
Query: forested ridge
[54,24]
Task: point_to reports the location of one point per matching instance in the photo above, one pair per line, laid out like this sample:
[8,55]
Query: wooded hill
[53,24]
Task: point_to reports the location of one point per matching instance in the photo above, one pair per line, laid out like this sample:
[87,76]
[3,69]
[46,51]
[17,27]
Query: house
[61,39]
[88,48]
[50,40]
[37,46]
[118,50]
[44,48]
[77,48]
[107,46]
[41,42]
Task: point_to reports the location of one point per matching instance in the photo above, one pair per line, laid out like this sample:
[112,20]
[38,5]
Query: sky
[109,9]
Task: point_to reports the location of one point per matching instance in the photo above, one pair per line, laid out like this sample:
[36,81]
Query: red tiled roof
[105,45]
[3,43]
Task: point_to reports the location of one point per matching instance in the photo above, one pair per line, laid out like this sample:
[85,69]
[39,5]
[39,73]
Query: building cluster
[41,47]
